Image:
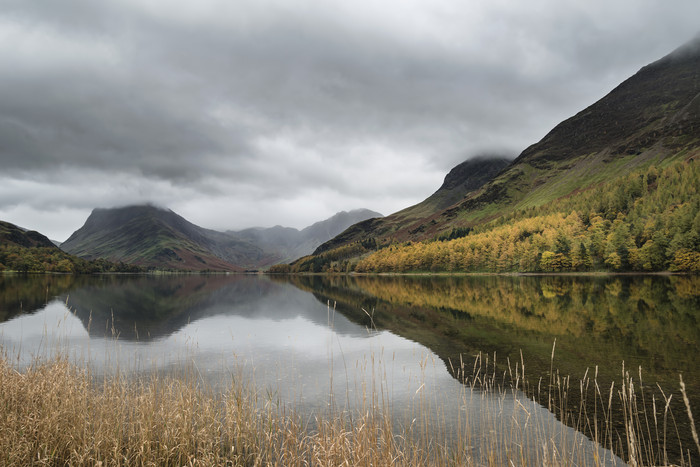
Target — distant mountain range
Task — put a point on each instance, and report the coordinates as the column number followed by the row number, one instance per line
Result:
column 287, row 244
column 617, row 146
column 150, row 236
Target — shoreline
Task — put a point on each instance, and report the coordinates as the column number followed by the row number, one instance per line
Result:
column 484, row 274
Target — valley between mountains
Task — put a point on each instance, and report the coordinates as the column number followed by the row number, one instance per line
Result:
column 613, row 188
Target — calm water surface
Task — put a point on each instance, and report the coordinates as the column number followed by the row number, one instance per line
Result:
column 321, row 342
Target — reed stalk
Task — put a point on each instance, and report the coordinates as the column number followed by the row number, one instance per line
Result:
column 55, row 412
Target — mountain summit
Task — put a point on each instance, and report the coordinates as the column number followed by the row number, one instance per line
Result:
column 150, row 236
column 462, row 180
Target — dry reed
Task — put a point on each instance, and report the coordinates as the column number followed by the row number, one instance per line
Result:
column 56, row 413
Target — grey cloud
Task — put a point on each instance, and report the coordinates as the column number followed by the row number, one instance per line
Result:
column 271, row 101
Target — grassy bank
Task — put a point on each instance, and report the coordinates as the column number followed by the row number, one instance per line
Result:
column 56, row 413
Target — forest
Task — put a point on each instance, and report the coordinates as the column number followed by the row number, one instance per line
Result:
column 648, row 220
column 48, row 259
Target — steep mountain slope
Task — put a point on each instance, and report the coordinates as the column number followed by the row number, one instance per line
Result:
column 651, row 116
column 651, row 119
column 468, row 176
column 462, row 180
column 151, row 236
column 29, row 251
column 155, row 237
column 286, row 244
column 329, row 228
column 10, row 234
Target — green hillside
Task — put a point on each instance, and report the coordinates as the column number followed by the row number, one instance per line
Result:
column 459, row 183
column 29, row 251
column 611, row 188
column 154, row 237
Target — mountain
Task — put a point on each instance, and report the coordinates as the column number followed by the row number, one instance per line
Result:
column 10, row 234
column 462, row 180
column 25, row 250
column 627, row 160
column 651, row 116
column 468, row 176
column 287, row 244
column 152, row 236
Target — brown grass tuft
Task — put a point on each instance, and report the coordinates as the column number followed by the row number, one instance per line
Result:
column 57, row 413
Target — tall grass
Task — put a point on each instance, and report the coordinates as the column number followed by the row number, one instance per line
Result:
column 628, row 418
column 55, row 412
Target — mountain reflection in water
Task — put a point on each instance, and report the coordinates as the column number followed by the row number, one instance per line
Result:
column 310, row 337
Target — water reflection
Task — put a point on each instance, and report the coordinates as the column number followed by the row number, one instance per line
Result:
column 600, row 325
column 651, row 321
column 20, row 294
column 403, row 335
column 151, row 307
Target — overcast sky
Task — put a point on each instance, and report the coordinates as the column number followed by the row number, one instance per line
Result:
column 239, row 113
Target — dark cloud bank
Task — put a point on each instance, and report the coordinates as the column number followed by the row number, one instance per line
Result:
column 259, row 113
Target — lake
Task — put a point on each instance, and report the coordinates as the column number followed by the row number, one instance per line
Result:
column 453, row 347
